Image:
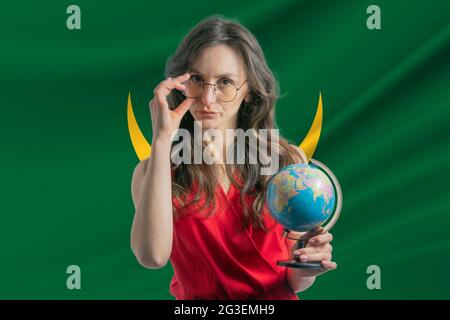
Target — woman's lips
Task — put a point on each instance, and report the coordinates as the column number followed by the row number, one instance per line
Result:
column 208, row 114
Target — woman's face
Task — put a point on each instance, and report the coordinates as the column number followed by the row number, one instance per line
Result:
column 222, row 65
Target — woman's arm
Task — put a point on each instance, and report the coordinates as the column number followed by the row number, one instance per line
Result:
column 295, row 276
column 152, row 229
column 151, row 233
column 319, row 249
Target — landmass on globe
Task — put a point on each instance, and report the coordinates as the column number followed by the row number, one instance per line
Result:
column 301, row 197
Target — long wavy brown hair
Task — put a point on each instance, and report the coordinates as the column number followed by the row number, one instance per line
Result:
column 258, row 113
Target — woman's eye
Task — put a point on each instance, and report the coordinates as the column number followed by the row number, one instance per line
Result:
column 225, row 82
column 197, row 79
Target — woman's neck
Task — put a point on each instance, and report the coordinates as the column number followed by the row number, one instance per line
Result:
column 214, row 144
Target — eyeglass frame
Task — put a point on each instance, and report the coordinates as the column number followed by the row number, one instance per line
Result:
column 215, row 88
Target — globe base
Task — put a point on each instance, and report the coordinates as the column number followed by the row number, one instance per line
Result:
column 294, row 263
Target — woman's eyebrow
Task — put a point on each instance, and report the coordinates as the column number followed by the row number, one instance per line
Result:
column 231, row 75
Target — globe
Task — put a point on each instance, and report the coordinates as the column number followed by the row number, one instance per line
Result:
column 301, row 196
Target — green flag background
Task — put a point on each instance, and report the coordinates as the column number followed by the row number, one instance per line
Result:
column 67, row 159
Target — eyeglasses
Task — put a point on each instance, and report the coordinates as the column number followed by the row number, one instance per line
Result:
column 224, row 89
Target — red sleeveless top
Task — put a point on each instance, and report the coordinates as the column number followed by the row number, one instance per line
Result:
column 214, row 258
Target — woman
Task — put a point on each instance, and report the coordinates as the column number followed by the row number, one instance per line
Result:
column 210, row 220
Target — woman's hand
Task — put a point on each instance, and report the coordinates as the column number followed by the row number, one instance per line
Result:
column 164, row 120
column 318, row 248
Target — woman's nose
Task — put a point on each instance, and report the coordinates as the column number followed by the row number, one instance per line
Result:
column 208, row 95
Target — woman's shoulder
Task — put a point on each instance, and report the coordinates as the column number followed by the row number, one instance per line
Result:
column 298, row 154
column 141, row 168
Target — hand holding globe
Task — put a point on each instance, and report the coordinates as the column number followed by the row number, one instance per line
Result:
column 318, row 249
column 302, row 197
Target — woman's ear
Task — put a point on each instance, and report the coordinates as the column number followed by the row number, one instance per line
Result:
column 248, row 98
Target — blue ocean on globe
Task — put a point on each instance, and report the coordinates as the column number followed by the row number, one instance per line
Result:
column 301, row 197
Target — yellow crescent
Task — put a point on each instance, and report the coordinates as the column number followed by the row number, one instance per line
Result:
column 143, row 148
column 140, row 144
column 311, row 140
